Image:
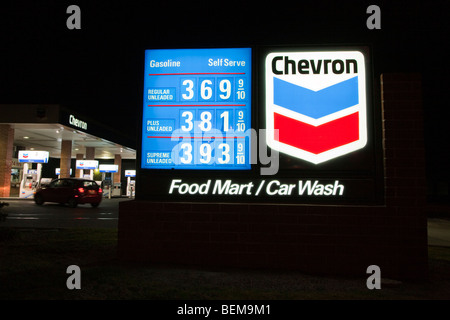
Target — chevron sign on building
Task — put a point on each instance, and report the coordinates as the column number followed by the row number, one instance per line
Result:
column 316, row 103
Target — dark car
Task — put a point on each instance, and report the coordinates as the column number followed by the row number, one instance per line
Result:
column 72, row 191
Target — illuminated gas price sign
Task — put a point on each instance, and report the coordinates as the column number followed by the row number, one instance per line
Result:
column 197, row 109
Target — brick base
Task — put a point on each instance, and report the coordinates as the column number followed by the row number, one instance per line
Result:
column 314, row 239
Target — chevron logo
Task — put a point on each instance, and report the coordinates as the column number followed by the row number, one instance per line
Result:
column 316, row 104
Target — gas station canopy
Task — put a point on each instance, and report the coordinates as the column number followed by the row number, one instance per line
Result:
column 49, row 136
column 44, row 127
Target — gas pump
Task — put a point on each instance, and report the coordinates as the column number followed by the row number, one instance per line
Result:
column 117, row 189
column 130, row 183
column 109, row 187
column 58, row 172
column 106, row 186
column 131, row 188
column 29, row 182
column 31, row 177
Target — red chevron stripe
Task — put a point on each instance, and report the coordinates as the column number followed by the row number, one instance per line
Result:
column 318, row 139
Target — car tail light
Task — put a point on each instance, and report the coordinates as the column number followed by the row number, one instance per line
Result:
column 81, row 190
column 100, row 190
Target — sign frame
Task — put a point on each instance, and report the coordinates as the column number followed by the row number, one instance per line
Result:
column 364, row 185
column 294, row 107
column 216, row 69
column 36, row 156
column 86, row 164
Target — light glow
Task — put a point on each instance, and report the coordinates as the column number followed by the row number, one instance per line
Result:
column 317, row 101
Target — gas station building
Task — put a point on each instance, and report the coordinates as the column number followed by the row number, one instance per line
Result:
column 66, row 136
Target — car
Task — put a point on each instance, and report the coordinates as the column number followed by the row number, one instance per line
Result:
column 72, row 191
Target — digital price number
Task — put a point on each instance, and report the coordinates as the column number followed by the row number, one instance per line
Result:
column 197, row 109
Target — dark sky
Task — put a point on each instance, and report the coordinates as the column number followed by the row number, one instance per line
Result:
column 98, row 70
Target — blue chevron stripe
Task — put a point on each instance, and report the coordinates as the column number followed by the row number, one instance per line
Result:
column 316, row 104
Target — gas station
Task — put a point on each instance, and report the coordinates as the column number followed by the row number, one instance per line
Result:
column 39, row 143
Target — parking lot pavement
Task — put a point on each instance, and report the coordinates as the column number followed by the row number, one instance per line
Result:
column 438, row 232
column 26, row 214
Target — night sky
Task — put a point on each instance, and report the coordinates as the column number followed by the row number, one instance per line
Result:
column 98, row 70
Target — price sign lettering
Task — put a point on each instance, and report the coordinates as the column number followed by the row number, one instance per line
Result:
column 197, row 109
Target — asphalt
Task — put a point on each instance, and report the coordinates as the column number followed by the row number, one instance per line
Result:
column 438, row 232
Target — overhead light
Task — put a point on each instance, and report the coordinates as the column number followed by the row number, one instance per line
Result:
column 26, row 137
